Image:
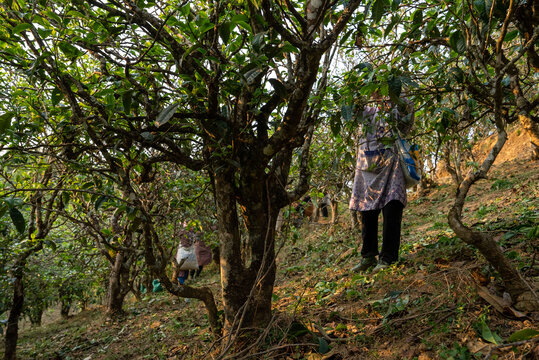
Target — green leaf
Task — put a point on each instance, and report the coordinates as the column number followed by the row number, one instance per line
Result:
column 364, row 66
column 238, row 18
column 53, row 16
column 87, row 185
column 51, row 244
column 69, row 50
column 185, row 10
column 241, row 20
column 417, row 17
column 345, row 37
column 347, row 112
column 110, row 100
column 66, row 196
column 205, row 27
column 480, row 7
column 289, row 48
column 279, row 87
column 11, row 202
column 457, row 42
column 224, row 32
column 5, row 121
column 323, row 346
column 335, row 125
column 21, row 27
column 488, row 335
column 394, row 85
column 44, row 33
column 127, row 100
column 100, row 200
column 432, row 29
column 389, row 27
column 3, row 209
column 297, row 329
column 166, row 114
column 17, row 219
column 457, row 74
column 146, row 135
column 104, row 92
column 258, row 40
column 252, row 74
column 378, row 9
column 367, row 8
column 510, row 35
column 524, row 334
column 76, row 14
column 56, row 96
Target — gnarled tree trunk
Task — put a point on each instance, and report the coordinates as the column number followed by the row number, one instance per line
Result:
column 36, row 315
column 334, row 211
column 515, row 285
column 12, row 330
column 119, row 285
column 247, row 287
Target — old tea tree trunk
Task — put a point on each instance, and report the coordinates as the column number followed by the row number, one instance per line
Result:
column 250, row 159
column 524, row 297
column 250, row 178
column 246, row 277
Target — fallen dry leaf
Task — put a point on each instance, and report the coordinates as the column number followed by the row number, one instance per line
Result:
column 155, row 324
column 313, row 356
column 424, row 356
column 344, row 255
column 503, row 306
column 476, row 346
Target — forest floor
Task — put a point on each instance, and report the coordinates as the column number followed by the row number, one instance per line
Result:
column 440, row 301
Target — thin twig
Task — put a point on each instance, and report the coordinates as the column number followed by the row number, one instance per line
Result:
column 397, row 320
column 516, row 343
column 326, row 336
column 416, row 335
column 530, row 287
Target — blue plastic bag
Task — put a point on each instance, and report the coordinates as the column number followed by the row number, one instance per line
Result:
column 156, row 286
column 409, row 155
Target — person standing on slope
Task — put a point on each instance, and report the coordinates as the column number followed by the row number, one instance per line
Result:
column 379, row 184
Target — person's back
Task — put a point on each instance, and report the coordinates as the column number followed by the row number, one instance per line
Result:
column 379, row 184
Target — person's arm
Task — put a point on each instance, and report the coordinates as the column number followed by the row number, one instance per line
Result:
column 406, row 118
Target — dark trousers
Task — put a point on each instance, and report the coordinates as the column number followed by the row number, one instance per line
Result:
column 391, row 238
column 195, row 273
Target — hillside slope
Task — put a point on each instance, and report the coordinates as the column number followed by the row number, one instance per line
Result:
column 438, row 302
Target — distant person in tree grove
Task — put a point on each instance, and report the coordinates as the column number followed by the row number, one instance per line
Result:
column 190, row 235
column 379, row 184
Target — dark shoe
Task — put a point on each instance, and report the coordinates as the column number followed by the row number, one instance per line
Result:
column 381, row 265
column 365, row 264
